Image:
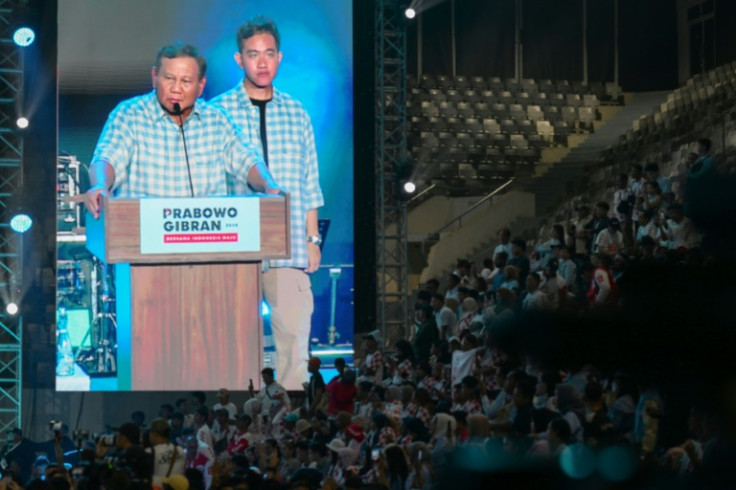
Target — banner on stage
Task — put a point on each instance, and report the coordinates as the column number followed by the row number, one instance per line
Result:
column 200, row 225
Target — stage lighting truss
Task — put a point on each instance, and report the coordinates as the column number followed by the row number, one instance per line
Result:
column 11, row 183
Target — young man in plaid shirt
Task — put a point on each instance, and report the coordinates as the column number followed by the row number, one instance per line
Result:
column 282, row 129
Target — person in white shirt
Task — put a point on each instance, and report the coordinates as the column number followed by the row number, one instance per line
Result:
column 534, row 299
column 272, row 398
column 679, row 231
column 204, row 434
column 647, row 227
column 168, row 458
column 445, row 318
column 567, row 269
column 611, row 240
column 453, row 287
column 223, row 401
column 504, row 236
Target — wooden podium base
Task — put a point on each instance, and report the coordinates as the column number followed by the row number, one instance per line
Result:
column 198, row 326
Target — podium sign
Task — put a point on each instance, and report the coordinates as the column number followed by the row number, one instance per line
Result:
column 200, row 225
column 189, row 311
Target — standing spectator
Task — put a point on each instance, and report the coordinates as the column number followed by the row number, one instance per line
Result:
column 602, row 292
column 704, row 164
column 567, row 270
column 223, row 401
column 453, row 287
column 597, row 224
column 341, row 394
column 519, row 258
column 504, row 246
column 577, row 229
column 636, row 191
column 427, row 333
column 444, row 317
column 168, row 458
column 316, row 397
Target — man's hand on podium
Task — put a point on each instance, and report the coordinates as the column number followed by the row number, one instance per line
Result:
column 274, row 189
column 93, row 201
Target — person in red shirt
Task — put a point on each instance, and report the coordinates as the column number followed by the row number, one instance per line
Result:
column 602, row 292
column 342, row 394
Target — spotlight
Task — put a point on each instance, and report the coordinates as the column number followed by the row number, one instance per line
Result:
column 409, row 187
column 410, row 13
column 22, row 122
column 11, row 308
column 21, row 223
column 24, row 36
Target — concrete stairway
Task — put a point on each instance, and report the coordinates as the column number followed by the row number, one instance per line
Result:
column 550, row 187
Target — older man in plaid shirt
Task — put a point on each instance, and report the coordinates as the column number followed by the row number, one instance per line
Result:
column 281, row 127
column 141, row 152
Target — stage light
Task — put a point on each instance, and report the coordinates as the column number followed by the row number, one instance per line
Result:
column 265, row 310
column 22, row 122
column 21, row 223
column 410, row 13
column 11, row 308
column 24, row 36
column 409, row 187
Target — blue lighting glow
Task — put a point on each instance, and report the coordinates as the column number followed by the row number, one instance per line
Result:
column 24, row 36
column 21, row 223
column 265, row 310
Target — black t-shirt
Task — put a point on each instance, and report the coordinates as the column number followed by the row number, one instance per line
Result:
column 261, row 104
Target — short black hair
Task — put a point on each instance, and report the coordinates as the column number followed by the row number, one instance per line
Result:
column 651, row 167
column 255, row 26
column 200, row 396
column 339, row 361
column 203, row 411
column 603, row 205
column 423, row 295
column 706, row 143
column 267, row 370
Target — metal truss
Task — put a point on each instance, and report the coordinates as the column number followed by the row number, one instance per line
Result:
column 391, row 155
column 11, row 244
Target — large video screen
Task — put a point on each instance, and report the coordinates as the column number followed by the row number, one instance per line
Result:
column 106, row 52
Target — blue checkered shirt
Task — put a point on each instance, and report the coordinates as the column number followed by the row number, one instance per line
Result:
column 292, row 158
column 144, row 146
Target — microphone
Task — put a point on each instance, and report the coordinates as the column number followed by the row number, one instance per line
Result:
column 179, row 112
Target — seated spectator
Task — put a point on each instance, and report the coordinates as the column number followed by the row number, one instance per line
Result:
column 443, row 440
column 556, row 239
column 567, row 270
column 679, row 231
column 578, row 230
column 647, row 227
column 597, row 224
column 558, row 439
column 610, row 241
column 512, row 274
column 498, row 276
column 651, row 173
column 534, row 298
column 623, row 200
column 470, row 314
column 382, row 432
column 623, row 408
column 652, row 198
column 420, row 476
column 401, row 367
column 571, row 408
column 597, row 427
column 372, row 367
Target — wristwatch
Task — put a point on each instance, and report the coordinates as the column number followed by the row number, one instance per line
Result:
column 316, row 239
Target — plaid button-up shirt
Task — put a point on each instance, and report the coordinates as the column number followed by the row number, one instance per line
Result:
column 292, row 158
column 145, row 148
